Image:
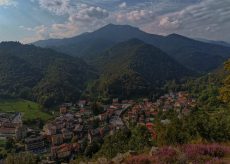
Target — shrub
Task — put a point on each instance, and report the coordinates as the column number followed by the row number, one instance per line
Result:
column 141, row 159
column 167, row 155
column 215, row 161
column 202, row 152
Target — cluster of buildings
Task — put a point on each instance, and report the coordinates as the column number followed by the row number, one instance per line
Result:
column 11, row 126
column 76, row 125
column 181, row 102
column 145, row 113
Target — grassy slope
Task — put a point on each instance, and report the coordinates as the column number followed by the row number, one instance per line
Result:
column 29, row 109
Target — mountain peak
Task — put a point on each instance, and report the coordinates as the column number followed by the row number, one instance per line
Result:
column 117, row 27
column 178, row 36
column 175, row 35
column 110, row 25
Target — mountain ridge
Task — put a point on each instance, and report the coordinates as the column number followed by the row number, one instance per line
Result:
column 186, row 51
column 43, row 75
column 134, row 68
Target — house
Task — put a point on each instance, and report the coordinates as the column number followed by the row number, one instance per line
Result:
column 62, row 151
column 68, row 104
column 50, row 129
column 103, row 116
column 146, row 100
column 115, row 101
column 78, row 130
column 11, row 117
column 82, row 103
column 57, row 139
column 35, row 144
column 67, row 135
column 125, row 101
column 63, row 109
column 12, row 130
column 10, row 124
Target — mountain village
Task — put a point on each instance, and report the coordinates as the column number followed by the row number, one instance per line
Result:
column 65, row 136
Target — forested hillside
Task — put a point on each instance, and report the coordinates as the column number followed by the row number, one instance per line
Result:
column 134, row 68
column 40, row 74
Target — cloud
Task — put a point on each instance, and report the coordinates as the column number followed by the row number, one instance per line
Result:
column 209, row 18
column 7, row 2
column 58, row 7
column 202, row 18
column 80, row 18
column 40, row 33
column 169, row 23
column 123, row 5
column 88, row 13
column 134, row 16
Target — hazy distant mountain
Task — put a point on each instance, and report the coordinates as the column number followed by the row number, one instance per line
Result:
column 193, row 54
column 222, row 43
column 134, row 68
column 41, row 74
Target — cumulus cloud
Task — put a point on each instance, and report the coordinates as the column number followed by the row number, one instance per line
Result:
column 7, row 2
column 123, row 5
column 40, row 33
column 134, row 16
column 169, row 23
column 58, row 7
column 87, row 13
column 81, row 17
column 203, row 19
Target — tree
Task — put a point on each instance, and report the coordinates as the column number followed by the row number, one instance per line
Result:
column 92, row 149
column 173, row 133
column 225, row 90
column 10, row 144
column 21, row 158
column 140, row 138
column 117, row 143
column 96, row 108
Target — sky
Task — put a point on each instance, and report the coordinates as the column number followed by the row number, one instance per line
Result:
column 31, row 20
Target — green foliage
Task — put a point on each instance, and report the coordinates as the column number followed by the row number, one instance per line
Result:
column 9, row 144
column 117, row 143
column 124, row 140
column 41, row 74
column 212, row 127
column 91, row 149
column 133, row 69
column 97, row 108
column 205, row 89
column 21, row 158
column 30, row 110
column 140, row 138
column 225, row 89
column 176, row 132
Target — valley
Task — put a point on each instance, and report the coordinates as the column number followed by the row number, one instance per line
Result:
column 115, row 94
